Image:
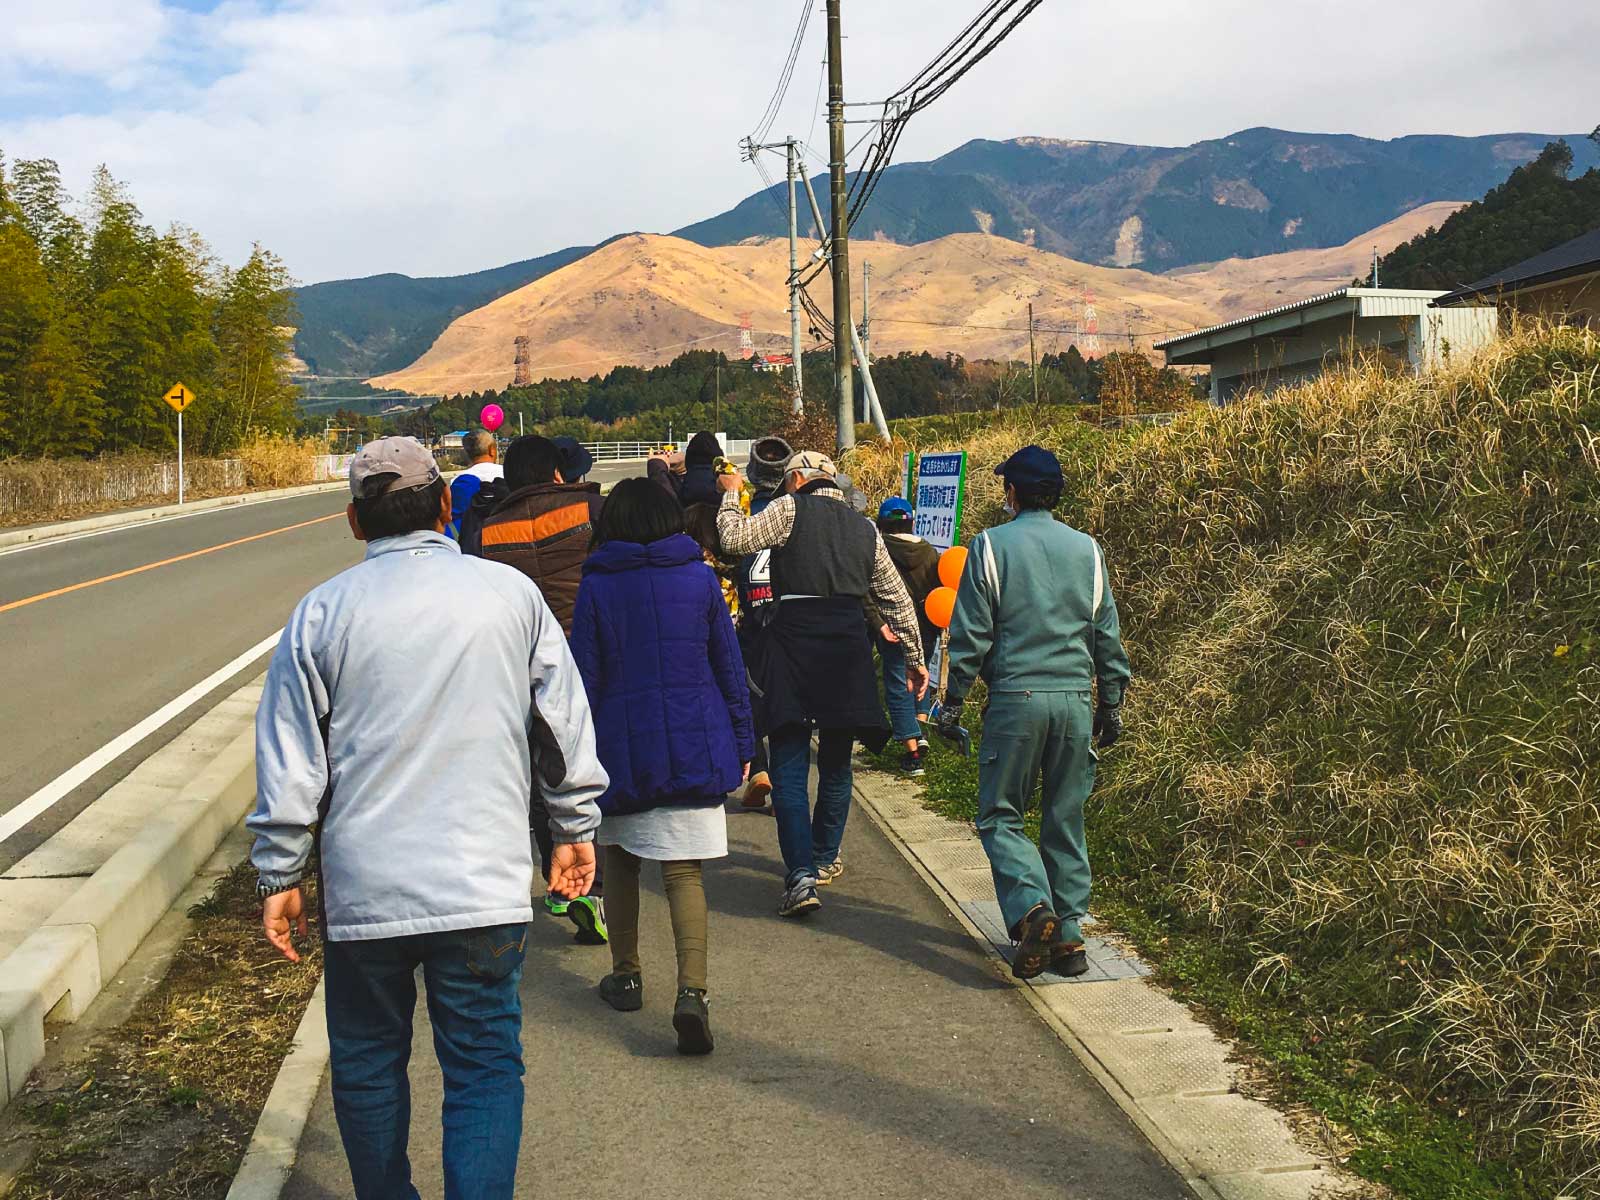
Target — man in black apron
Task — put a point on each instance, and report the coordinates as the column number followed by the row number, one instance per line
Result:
column 812, row 665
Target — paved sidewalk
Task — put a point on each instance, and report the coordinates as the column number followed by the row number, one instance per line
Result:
column 871, row 1051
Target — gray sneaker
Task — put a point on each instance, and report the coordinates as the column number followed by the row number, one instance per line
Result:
column 799, row 898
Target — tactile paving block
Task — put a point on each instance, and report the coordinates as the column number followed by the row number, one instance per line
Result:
column 951, row 854
column 1124, row 1006
column 972, row 883
column 1165, row 1064
column 1283, row 1185
column 925, row 827
column 1227, row 1134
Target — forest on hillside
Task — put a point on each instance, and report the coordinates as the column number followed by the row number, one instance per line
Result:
column 1538, row 208
column 100, row 315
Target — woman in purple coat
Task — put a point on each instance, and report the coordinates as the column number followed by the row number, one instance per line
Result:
column 661, row 663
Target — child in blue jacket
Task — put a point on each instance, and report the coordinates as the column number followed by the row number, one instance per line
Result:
column 666, row 682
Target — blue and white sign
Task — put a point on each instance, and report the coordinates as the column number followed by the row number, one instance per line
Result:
column 941, row 489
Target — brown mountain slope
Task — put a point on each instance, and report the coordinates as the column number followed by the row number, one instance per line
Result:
column 1246, row 285
column 643, row 299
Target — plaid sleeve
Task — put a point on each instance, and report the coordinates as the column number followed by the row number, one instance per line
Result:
column 768, row 529
column 894, row 603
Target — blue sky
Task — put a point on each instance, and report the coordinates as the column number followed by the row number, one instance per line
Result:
column 440, row 136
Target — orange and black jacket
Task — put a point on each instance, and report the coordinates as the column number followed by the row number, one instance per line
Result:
column 544, row 531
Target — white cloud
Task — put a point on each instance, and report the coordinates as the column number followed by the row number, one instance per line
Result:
column 98, row 38
column 433, row 136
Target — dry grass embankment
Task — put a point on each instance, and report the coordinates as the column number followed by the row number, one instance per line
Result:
column 36, row 491
column 164, row 1106
column 1356, row 809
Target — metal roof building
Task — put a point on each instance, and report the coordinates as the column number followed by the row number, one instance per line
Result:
column 1563, row 283
column 1297, row 341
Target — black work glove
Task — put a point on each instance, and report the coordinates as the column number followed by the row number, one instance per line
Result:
column 949, row 719
column 1107, row 724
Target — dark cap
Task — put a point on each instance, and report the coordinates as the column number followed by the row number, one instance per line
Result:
column 576, row 462
column 398, row 462
column 1031, row 465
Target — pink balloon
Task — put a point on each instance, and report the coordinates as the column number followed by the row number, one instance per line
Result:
column 492, row 417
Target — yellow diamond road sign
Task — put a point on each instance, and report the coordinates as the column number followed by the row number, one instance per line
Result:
column 179, row 397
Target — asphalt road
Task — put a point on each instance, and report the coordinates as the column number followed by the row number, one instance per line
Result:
column 89, row 652
column 868, row 1051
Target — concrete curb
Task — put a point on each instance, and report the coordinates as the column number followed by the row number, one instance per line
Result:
column 35, row 534
column 60, row 967
column 1202, row 1126
column 269, row 1160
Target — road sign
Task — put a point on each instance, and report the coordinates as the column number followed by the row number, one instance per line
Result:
column 179, row 397
column 941, row 490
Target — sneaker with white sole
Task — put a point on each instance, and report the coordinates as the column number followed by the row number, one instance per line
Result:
column 827, row 874
column 799, row 896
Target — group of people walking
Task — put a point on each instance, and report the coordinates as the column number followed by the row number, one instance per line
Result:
column 517, row 654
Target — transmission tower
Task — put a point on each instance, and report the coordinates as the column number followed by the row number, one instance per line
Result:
column 747, row 341
column 524, row 363
column 1091, row 325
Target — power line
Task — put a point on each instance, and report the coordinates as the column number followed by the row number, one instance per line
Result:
column 775, row 105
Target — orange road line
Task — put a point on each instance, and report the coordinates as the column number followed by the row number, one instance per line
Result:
column 165, row 562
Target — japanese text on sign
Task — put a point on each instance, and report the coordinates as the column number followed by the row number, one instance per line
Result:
column 941, row 482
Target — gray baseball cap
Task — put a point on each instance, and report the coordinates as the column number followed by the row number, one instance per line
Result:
column 407, row 459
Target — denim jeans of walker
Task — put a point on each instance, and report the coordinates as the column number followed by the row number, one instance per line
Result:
column 472, row 978
column 904, row 708
column 810, row 840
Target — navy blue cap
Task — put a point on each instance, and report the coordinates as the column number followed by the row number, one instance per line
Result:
column 575, row 460
column 894, row 506
column 1030, row 465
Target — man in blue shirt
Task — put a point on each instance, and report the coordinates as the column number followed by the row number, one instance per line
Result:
column 1035, row 618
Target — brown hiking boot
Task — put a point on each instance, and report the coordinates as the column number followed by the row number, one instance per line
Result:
column 1035, row 934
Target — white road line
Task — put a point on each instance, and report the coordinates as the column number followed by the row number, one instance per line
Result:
column 42, row 800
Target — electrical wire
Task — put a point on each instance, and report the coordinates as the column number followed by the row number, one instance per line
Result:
column 769, row 116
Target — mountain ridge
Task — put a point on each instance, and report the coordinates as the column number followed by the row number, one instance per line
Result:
column 646, row 297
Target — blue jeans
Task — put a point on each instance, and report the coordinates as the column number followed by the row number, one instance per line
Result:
column 472, row 977
column 810, row 841
column 904, row 709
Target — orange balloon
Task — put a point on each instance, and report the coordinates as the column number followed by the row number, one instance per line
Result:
column 951, row 563
column 940, row 606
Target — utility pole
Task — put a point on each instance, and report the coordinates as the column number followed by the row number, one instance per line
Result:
column 1374, row 266
column 719, row 394
column 843, row 326
column 866, row 329
column 1033, row 359
column 794, row 284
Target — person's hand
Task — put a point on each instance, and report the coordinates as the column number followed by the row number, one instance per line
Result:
column 917, row 681
column 1108, row 724
column 731, row 482
column 283, row 916
column 887, row 635
column 571, row 869
column 745, row 778
column 675, row 462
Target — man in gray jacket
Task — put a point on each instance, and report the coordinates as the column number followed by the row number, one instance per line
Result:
column 412, row 705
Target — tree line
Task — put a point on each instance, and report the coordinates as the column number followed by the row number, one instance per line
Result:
column 100, row 315
column 1536, row 209
column 645, row 403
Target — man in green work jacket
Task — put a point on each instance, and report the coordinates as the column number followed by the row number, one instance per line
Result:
column 1035, row 618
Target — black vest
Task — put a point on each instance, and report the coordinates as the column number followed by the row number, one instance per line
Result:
column 829, row 553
